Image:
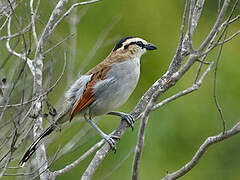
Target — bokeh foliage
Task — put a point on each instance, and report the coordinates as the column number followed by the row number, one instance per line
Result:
column 176, row 130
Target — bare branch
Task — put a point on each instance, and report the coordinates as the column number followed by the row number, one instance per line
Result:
column 190, row 29
column 229, row 38
column 200, row 152
column 211, row 44
column 162, row 85
column 181, row 49
column 33, row 14
column 21, row 56
column 45, row 93
column 168, row 80
column 194, row 87
column 140, row 141
column 76, row 162
column 19, row 33
column 215, row 89
column 196, row 15
column 177, row 69
column 216, row 26
column 150, row 107
column 72, row 7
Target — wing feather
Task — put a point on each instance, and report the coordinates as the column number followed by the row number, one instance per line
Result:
column 88, row 96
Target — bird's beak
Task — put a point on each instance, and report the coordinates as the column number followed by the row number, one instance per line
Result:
column 150, row 46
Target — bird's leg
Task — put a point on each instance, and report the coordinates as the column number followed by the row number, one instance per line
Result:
column 126, row 117
column 109, row 139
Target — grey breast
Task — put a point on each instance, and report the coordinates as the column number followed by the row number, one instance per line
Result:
column 119, row 84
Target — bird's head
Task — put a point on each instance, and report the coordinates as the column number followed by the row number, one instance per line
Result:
column 133, row 46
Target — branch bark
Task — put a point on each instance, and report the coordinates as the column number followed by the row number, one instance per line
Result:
column 38, row 79
column 176, row 70
column 202, row 149
column 169, row 79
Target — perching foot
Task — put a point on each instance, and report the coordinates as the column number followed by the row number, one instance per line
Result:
column 126, row 117
column 111, row 141
column 129, row 119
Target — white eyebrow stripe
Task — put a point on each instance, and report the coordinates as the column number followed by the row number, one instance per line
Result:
column 133, row 40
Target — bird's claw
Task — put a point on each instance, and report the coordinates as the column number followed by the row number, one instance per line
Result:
column 111, row 141
column 129, row 119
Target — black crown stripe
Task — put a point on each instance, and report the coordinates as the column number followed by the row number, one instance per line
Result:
column 120, row 43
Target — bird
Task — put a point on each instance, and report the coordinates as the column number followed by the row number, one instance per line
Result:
column 102, row 89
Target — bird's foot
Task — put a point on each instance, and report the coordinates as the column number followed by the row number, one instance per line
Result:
column 129, row 119
column 111, row 139
column 126, row 117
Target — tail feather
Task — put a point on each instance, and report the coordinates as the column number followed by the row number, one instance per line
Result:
column 32, row 148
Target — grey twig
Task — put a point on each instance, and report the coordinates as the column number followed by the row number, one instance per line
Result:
column 214, row 30
column 211, row 44
column 19, row 33
column 154, row 92
column 71, row 8
column 229, row 38
column 33, row 14
column 215, row 90
column 169, row 79
column 201, row 150
column 196, row 14
column 59, row 43
column 194, row 87
column 190, row 29
column 21, row 56
column 150, row 107
column 53, row 21
column 80, row 159
column 43, row 94
column 140, row 141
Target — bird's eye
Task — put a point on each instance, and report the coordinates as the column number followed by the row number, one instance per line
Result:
column 140, row 44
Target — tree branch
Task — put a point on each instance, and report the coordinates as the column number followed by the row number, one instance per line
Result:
column 200, row 152
column 21, row 56
column 194, row 87
column 33, row 14
column 168, row 80
column 80, row 159
column 215, row 27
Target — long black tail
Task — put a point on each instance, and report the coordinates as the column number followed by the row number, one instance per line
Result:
column 32, row 148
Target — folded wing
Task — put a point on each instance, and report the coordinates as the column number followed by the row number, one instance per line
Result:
column 88, row 96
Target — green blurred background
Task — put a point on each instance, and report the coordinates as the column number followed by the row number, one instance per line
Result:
column 175, row 131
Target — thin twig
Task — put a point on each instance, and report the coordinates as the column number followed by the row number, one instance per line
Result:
column 214, row 30
column 59, row 43
column 21, row 56
column 17, row 34
column 190, row 31
column 202, row 150
column 43, row 94
column 194, row 87
column 70, row 10
column 150, row 107
column 229, row 38
column 215, row 90
column 76, row 162
column 33, row 23
column 168, row 80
